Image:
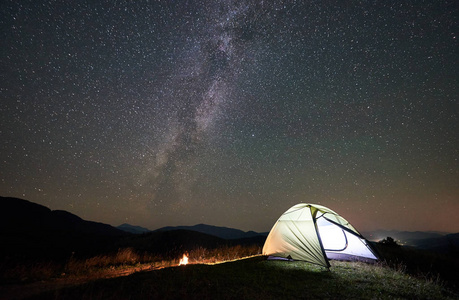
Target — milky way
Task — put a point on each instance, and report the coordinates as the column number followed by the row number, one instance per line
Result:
column 228, row 112
column 202, row 81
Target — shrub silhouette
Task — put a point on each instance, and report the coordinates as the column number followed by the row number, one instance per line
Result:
column 389, row 242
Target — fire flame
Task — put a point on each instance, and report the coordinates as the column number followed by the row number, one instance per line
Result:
column 183, row 260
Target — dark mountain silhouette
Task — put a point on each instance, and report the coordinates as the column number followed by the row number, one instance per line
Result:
column 29, row 230
column 446, row 243
column 432, row 241
column 22, row 216
column 133, row 229
column 221, row 232
column 408, row 238
column 173, row 243
column 32, row 230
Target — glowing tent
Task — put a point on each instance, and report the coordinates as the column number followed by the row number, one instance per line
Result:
column 315, row 234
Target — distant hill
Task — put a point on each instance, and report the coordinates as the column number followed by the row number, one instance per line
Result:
column 173, row 243
column 408, row 238
column 446, row 243
column 31, row 229
column 133, row 229
column 439, row 242
column 221, row 232
column 18, row 215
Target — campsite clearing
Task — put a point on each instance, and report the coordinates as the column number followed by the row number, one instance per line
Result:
column 258, row 278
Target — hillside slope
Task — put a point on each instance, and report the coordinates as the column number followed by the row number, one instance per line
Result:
column 221, row 232
column 32, row 230
column 258, row 278
column 133, row 229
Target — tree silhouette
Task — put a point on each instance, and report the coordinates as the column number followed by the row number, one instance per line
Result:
column 388, row 241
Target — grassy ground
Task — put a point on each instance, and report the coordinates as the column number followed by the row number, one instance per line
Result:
column 110, row 265
column 257, row 278
column 20, row 279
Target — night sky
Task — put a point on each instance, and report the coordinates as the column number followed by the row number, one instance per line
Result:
column 230, row 112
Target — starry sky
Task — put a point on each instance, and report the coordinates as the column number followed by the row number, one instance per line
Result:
column 228, row 113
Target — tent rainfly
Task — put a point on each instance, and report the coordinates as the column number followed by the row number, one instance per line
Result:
column 315, row 233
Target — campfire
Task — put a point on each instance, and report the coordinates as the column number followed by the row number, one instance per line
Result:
column 183, row 260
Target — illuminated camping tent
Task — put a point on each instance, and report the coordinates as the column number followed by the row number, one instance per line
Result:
column 315, row 234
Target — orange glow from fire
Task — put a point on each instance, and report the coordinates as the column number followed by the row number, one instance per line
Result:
column 183, row 260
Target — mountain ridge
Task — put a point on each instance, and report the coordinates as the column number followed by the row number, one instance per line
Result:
column 133, row 228
column 68, row 232
column 31, row 230
column 404, row 237
column 19, row 215
column 219, row 231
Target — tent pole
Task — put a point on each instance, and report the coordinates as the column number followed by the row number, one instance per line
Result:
column 314, row 214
